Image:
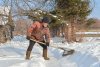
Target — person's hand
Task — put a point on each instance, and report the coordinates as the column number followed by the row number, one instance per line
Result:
column 28, row 37
column 47, row 43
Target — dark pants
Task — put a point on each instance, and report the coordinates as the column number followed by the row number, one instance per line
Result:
column 31, row 44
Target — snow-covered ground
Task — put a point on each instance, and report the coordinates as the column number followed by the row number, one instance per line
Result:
column 12, row 54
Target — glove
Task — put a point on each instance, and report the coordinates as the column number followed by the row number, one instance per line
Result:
column 47, row 43
column 28, row 37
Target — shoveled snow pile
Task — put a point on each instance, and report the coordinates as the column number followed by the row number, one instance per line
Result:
column 12, row 54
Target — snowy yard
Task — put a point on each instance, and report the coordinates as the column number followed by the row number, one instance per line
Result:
column 12, row 54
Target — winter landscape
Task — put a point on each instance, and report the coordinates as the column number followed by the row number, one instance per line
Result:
column 87, row 54
column 67, row 30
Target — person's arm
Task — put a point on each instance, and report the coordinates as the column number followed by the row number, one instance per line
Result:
column 30, row 29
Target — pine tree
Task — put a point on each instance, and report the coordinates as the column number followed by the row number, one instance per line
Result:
column 73, row 10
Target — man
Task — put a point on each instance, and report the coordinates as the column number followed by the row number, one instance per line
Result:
column 38, row 31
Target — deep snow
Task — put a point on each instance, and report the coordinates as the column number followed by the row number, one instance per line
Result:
column 12, row 54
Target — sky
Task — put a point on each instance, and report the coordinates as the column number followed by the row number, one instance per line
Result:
column 96, row 11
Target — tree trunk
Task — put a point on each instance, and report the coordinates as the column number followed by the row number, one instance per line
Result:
column 66, row 32
column 73, row 30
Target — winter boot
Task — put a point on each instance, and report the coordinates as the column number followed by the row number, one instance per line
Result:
column 28, row 55
column 45, row 54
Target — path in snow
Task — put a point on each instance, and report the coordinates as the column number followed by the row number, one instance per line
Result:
column 12, row 54
column 76, row 60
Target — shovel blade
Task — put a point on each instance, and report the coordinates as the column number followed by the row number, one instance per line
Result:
column 69, row 52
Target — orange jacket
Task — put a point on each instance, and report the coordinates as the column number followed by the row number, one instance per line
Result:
column 38, row 32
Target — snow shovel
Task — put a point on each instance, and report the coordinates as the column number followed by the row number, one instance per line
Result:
column 66, row 52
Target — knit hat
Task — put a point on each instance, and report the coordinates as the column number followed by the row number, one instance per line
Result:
column 45, row 20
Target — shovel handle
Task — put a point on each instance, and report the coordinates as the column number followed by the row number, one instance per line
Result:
column 44, row 43
column 51, row 45
column 38, row 42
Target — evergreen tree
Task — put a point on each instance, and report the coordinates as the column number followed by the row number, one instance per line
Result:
column 73, row 10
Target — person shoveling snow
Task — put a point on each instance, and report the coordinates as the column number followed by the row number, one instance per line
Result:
column 39, row 33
